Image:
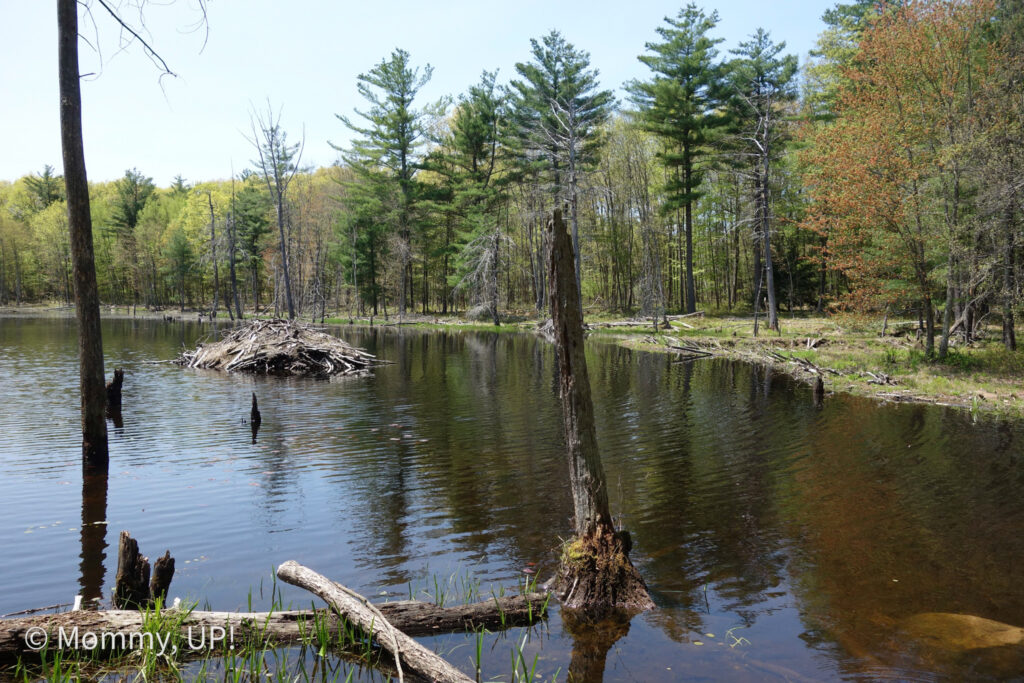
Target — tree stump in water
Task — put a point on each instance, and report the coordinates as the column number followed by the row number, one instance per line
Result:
column 818, row 392
column 595, row 573
column 114, row 390
column 132, row 587
column 255, row 419
column 254, row 414
column 163, row 572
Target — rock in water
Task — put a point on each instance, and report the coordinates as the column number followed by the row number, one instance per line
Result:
column 961, row 631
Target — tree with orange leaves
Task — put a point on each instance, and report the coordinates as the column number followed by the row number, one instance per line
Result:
column 888, row 178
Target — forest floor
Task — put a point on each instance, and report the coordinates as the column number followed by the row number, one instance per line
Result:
column 848, row 352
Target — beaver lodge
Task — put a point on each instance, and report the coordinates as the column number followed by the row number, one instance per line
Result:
column 280, row 347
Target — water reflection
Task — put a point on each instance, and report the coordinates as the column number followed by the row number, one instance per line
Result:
column 800, row 533
column 591, row 641
column 93, row 537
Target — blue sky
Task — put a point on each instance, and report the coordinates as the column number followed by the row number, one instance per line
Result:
column 305, row 55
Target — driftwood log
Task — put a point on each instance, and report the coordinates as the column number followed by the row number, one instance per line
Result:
column 358, row 610
column 412, row 617
column 280, row 347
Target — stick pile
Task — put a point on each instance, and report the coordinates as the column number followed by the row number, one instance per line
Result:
column 280, row 347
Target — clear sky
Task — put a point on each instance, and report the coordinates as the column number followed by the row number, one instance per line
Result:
column 305, row 56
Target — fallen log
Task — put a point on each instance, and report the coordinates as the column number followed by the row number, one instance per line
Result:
column 413, row 617
column 619, row 323
column 358, row 610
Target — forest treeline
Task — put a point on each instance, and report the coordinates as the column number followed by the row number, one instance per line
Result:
column 883, row 175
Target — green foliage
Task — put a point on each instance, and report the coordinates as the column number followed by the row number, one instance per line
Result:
column 558, row 92
column 133, row 191
column 385, row 157
column 680, row 104
column 46, row 188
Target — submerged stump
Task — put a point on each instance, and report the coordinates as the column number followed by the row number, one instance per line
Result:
column 280, row 347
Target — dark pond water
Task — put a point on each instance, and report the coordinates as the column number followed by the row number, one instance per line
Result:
column 780, row 541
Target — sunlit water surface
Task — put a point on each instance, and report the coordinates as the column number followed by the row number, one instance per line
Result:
column 781, row 541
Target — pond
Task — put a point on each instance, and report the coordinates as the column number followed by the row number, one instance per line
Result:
column 780, row 540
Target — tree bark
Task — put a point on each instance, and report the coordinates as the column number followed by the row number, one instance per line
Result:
column 87, row 300
column 691, row 293
column 596, row 573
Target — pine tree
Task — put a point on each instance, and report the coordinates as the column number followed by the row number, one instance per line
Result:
column 45, row 187
column 385, row 154
column 679, row 104
column 559, row 110
column 470, row 158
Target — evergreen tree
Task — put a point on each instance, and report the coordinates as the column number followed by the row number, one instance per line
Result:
column 133, row 191
column 559, row 110
column 252, row 221
column 385, row 155
column 470, row 159
column 679, row 104
column 179, row 187
column 46, row 188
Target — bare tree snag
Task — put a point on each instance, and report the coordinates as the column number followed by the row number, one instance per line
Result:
column 596, row 573
column 87, row 299
column 358, row 610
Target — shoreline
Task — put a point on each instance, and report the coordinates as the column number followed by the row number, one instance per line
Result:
column 848, row 353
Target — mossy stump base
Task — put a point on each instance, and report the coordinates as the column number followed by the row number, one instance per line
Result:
column 597, row 576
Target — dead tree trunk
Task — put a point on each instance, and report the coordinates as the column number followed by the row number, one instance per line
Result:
column 595, row 573
column 87, row 299
column 1009, row 268
column 163, row 572
column 232, row 226
column 213, row 258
